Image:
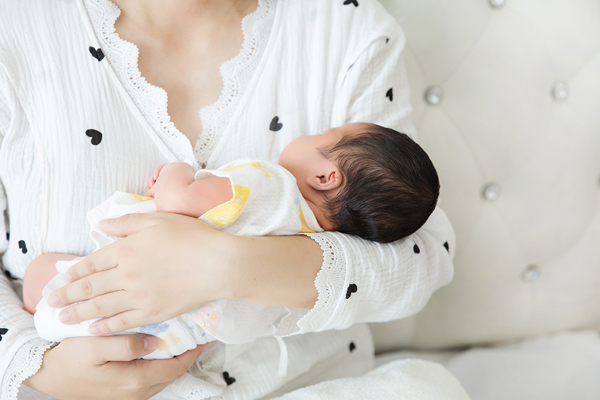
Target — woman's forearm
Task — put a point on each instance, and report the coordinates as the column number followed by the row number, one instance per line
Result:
column 275, row 270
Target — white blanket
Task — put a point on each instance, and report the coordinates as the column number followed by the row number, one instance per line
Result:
column 409, row 379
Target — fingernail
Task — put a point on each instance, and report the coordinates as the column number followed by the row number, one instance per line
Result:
column 63, row 317
column 106, row 222
column 53, row 300
column 68, row 278
column 150, row 343
column 93, row 329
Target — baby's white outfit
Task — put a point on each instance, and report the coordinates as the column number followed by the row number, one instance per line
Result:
column 266, row 201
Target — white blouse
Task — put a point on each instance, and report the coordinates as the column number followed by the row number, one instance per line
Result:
column 78, row 122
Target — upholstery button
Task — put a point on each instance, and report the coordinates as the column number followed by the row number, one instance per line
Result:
column 491, row 191
column 560, row 91
column 530, row 274
column 434, row 95
column 497, row 3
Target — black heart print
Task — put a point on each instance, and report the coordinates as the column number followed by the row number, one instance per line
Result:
column 447, row 247
column 95, row 135
column 416, row 249
column 23, row 246
column 228, row 379
column 390, row 94
column 2, row 332
column 352, row 347
column 355, row 2
column 275, row 124
column 98, row 54
column 351, row 289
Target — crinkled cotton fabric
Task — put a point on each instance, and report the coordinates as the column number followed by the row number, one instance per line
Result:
column 78, row 122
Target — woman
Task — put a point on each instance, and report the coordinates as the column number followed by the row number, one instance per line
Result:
column 82, row 116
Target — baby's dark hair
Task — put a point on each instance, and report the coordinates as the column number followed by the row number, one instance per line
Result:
column 390, row 185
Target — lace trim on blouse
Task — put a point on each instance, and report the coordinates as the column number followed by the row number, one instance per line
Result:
column 329, row 282
column 26, row 362
column 152, row 100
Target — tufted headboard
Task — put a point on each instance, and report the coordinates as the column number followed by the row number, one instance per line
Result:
column 506, row 97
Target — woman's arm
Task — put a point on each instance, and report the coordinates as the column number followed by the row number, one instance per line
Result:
column 203, row 265
column 107, row 368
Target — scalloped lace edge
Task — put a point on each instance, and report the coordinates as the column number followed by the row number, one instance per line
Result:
column 236, row 74
column 152, row 100
column 26, row 362
column 329, row 283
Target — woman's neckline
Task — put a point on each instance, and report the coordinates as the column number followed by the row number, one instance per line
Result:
column 152, row 100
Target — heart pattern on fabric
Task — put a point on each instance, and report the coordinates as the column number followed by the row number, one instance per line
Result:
column 23, row 246
column 352, row 347
column 416, row 249
column 390, row 94
column 275, row 124
column 95, row 135
column 98, row 54
column 2, row 332
column 351, row 289
column 355, row 2
column 228, row 379
column 447, row 247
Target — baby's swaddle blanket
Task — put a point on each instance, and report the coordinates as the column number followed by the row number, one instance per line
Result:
column 266, row 201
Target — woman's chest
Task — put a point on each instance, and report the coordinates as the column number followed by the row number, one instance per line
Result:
column 187, row 69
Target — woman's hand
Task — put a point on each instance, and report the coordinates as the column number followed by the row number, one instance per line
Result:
column 152, row 180
column 106, row 368
column 168, row 265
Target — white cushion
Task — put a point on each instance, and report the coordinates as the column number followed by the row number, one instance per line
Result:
column 499, row 122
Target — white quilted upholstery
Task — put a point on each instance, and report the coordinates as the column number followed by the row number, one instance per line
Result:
column 499, row 122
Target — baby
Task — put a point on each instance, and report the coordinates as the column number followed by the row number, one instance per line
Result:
column 360, row 179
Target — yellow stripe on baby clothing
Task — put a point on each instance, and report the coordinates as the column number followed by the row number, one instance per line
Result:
column 253, row 165
column 227, row 213
column 141, row 198
column 304, row 229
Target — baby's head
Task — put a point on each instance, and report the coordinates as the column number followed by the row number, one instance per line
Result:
column 364, row 180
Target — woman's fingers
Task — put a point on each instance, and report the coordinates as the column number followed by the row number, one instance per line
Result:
column 129, row 224
column 84, row 289
column 124, row 348
column 160, row 371
column 101, row 260
column 99, row 307
column 125, row 320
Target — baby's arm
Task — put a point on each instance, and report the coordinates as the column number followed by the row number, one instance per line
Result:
column 176, row 191
column 39, row 272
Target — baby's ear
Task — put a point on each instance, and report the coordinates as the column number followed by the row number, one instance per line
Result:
column 329, row 180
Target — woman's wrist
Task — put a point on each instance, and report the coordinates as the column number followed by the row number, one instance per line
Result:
column 38, row 381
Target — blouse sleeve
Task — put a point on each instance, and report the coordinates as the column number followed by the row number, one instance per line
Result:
column 21, row 349
column 362, row 281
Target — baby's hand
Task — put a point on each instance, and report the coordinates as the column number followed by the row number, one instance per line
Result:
column 152, row 181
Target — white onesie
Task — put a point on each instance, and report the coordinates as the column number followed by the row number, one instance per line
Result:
column 266, row 201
